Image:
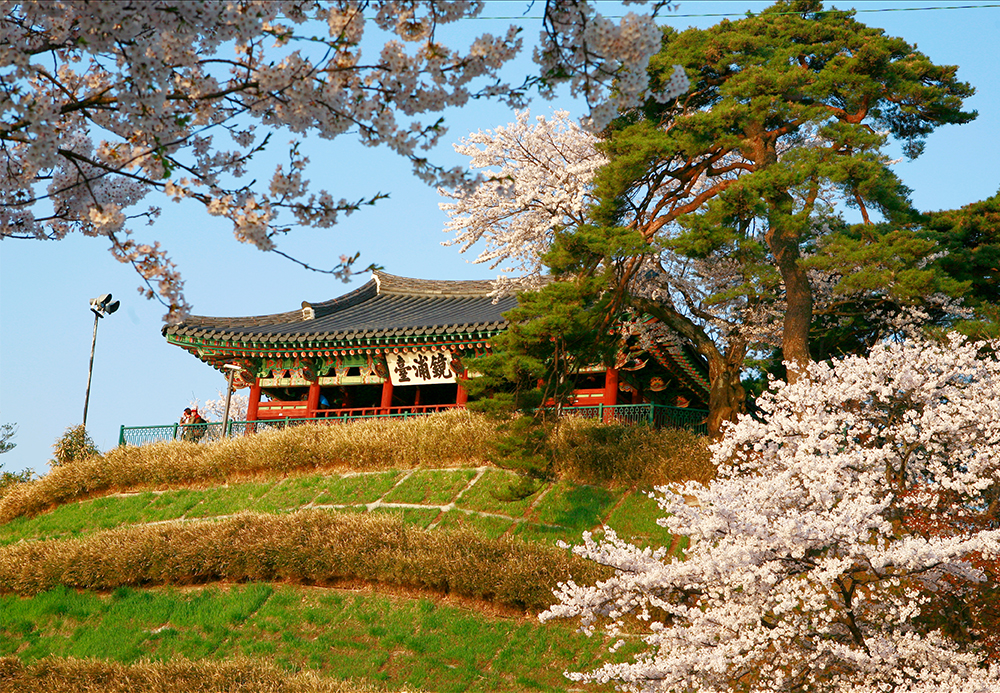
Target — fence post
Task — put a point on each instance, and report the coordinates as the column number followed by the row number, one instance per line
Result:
column 175, row 432
column 121, row 436
column 652, row 418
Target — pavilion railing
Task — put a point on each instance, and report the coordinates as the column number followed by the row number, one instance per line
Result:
column 645, row 414
column 656, row 415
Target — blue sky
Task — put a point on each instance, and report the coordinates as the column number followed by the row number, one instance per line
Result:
column 46, row 326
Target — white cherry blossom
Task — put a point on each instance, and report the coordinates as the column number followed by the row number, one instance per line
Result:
column 803, row 574
column 103, row 104
column 535, row 178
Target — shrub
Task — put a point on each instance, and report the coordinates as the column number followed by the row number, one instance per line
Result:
column 582, row 450
column 590, row 451
column 629, row 455
column 9, row 479
column 75, row 445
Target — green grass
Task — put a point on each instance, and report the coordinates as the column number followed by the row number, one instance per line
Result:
column 431, row 487
column 486, row 496
column 229, row 500
column 398, row 642
column 487, row 526
column 560, row 511
column 290, row 493
column 173, row 505
column 79, row 518
column 421, row 517
column 575, row 507
column 634, row 519
column 356, row 489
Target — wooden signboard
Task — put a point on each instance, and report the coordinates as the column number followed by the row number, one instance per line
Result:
column 420, row 368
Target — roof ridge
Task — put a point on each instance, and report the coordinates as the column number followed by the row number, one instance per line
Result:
column 393, row 284
column 382, row 286
column 363, row 293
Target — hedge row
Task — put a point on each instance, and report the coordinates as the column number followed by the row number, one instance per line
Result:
column 586, row 451
column 310, row 547
column 444, row 440
column 56, row 675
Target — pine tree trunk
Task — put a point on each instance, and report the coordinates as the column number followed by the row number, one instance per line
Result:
column 784, row 239
column 727, row 398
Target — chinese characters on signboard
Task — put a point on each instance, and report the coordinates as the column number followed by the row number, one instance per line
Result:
column 420, row 368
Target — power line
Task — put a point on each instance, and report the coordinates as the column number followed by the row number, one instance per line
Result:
column 743, row 14
column 858, row 10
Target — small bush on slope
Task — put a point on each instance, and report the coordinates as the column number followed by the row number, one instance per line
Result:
column 589, row 451
column 75, row 445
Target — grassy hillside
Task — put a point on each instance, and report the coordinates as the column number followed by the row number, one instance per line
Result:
column 309, row 560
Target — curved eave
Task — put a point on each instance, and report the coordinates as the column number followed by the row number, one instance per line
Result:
column 256, row 345
column 681, row 364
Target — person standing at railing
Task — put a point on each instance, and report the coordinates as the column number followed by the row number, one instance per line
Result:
column 194, row 425
column 324, row 405
column 185, row 421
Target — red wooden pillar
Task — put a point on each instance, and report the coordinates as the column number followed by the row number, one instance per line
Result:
column 254, row 402
column 312, row 404
column 386, row 395
column 610, row 392
column 252, row 406
column 462, row 396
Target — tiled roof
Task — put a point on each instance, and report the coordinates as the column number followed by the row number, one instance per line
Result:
column 387, row 306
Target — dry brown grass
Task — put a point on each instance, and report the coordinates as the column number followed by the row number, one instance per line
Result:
column 586, row 451
column 56, row 675
column 449, row 439
column 311, row 547
column 628, row 455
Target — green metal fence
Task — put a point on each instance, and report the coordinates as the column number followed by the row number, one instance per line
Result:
column 648, row 414
column 653, row 414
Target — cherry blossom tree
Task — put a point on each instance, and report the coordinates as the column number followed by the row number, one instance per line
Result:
column 105, row 105
column 806, row 571
column 535, row 178
column 215, row 409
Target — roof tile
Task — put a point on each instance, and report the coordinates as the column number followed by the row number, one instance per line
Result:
column 386, row 306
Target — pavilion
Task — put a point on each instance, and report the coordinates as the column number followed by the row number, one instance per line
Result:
column 400, row 345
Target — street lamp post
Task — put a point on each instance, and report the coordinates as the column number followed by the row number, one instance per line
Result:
column 233, row 370
column 100, row 306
